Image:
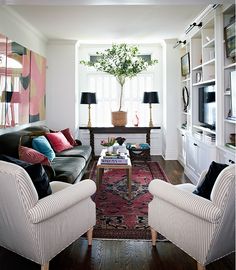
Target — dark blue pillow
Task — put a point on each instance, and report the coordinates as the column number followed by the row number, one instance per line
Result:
column 36, row 173
column 205, row 188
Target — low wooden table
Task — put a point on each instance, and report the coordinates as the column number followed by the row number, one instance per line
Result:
column 101, row 167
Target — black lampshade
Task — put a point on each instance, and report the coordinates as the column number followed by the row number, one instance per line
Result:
column 88, row 98
column 150, row 97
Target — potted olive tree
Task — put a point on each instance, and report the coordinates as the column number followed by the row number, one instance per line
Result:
column 122, row 61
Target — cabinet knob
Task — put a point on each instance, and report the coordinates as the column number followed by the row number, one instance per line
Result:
column 231, row 161
column 195, row 144
column 182, row 135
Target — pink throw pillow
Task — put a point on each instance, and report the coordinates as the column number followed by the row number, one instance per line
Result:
column 67, row 133
column 58, row 141
column 32, row 156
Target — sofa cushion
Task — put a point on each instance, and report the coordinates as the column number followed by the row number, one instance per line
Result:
column 205, row 188
column 36, row 173
column 67, row 133
column 77, row 151
column 42, row 145
column 58, row 141
column 32, row 156
column 68, row 169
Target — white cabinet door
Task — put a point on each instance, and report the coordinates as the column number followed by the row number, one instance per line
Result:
column 192, row 154
column 182, row 147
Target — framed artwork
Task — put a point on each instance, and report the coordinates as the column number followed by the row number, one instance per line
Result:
column 185, row 65
column 229, row 33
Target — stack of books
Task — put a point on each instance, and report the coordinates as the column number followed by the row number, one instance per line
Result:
column 118, row 159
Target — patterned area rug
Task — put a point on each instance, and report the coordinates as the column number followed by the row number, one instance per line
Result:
column 119, row 217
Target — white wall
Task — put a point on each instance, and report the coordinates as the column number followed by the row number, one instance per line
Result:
column 62, row 101
column 171, row 92
column 16, row 29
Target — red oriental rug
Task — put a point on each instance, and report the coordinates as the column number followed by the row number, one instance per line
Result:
column 119, row 217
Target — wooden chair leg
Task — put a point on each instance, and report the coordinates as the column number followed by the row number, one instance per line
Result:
column 90, row 236
column 154, row 236
column 200, row 267
column 45, row 266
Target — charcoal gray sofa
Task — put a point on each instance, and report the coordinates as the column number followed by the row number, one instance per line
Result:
column 68, row 166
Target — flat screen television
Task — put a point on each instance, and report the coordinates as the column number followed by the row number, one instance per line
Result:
column 207, row 106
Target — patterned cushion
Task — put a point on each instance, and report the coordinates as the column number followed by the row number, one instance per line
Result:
column 58, row 141
column 42, row 145
column 36, row 173
column 32, row 156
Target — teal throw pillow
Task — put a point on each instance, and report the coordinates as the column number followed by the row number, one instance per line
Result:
column 42, row 145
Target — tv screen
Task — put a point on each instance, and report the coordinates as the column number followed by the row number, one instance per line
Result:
column 207, row 106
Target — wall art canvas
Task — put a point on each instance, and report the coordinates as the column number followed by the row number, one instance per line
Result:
column 37, row 88
column 22, row 84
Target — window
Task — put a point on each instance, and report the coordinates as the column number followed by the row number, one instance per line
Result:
column 108, row 91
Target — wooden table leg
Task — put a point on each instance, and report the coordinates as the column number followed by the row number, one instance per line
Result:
column 99, row 177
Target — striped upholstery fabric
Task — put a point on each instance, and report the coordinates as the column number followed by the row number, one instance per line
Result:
column 40, row 229
column 204, row 229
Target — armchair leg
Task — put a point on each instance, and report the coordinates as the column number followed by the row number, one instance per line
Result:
column 45, row 266
column 200, row 267
column 90, row 236
column 154, row 236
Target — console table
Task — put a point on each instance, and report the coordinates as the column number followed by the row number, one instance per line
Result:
column 118, row 130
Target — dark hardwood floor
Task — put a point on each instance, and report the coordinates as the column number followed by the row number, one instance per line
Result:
column 121, row 254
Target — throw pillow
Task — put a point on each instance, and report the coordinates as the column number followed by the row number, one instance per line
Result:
column 204, row 190
column 58, row 141
column 42, row 145
column 36, row 173
column 67, row 133
column 32, row 156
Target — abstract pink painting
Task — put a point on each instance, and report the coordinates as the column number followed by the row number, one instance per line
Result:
column 37, row 87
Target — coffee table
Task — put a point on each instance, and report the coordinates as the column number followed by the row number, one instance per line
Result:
column 101, row 167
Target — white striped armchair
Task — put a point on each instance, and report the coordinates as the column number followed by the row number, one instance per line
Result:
column 40, row 229
column 204, row 229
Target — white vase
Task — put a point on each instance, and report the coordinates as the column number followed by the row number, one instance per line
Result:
column 109, row 149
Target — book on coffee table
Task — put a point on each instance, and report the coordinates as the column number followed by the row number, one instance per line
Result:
column 114, row 160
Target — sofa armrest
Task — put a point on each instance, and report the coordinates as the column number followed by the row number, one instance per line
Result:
column 185, row 200
column 61, row 200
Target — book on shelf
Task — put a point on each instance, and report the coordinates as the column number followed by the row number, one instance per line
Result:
column 114, row 161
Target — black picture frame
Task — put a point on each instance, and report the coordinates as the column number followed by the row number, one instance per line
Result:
column 185, row 64
column 229, row 35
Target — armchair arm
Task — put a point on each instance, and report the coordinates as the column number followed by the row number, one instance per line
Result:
column 61, row 200
column 185, row 200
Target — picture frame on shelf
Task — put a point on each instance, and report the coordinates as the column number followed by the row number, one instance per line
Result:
column 185, row 65
column 229, row 34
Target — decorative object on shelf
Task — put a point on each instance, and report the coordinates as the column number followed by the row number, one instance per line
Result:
column 229, row 33
column 184, row 125
column 185, row 95
column 136, row 119
column 122, row 61
column 88, row 98
column 150, row 97
column 232, row 137
column 198, row 77
column 233, row 94
column 185, row 64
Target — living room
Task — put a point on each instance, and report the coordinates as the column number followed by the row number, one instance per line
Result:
column 168, row 32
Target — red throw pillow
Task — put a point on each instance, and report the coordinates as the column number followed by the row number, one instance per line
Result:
column 67, row 133
column 58, row 141
column 30, row 155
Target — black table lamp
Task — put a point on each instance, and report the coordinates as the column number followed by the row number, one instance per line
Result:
column 88, row 98
column 150, row 97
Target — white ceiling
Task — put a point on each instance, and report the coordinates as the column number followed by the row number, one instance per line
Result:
column 107, row 21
